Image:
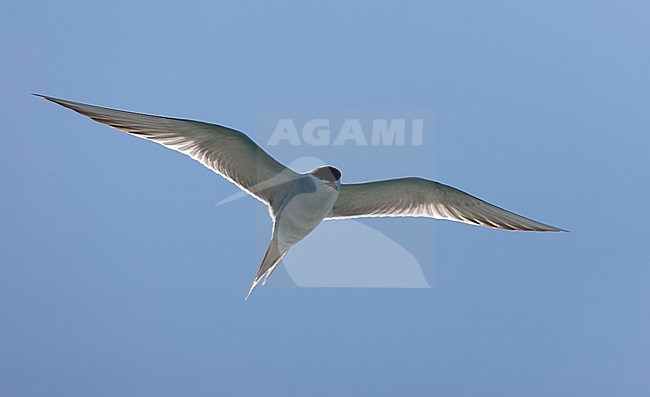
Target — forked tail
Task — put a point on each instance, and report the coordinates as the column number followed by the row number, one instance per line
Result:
column 271, row 259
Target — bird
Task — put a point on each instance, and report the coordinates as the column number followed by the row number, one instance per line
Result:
column 299, row 202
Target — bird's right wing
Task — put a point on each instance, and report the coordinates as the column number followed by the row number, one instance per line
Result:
column 417, row 197
column 227, row 152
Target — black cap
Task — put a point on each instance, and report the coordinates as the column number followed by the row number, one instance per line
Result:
column 327, row 173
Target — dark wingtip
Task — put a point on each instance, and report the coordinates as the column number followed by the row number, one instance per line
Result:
column 554, row 230
column 62, row 102
column 549, row 228
column 49, row 98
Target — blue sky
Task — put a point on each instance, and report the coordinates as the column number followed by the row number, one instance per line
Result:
column 120, row 276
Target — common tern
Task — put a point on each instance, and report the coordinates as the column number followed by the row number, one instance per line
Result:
column 297, row 202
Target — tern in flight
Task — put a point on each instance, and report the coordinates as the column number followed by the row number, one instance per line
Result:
column 300, row 202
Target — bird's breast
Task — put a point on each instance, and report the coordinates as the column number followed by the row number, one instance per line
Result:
column 302, row 212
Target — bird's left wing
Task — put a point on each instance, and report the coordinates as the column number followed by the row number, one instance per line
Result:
column 227, row 152
column 417, row 197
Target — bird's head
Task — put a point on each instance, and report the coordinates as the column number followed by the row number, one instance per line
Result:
column 329, row 175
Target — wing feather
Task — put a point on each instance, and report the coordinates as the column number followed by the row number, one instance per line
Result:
column 418, row 197
column 225, row 151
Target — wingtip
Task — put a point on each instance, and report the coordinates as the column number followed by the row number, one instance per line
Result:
column 49, row 98
column 556, row 229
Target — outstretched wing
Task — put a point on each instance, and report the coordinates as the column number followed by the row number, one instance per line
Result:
column 227, row 152
column 418, row 197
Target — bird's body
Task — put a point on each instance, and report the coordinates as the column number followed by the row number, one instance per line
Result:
column 304, row 208
column 298, row 203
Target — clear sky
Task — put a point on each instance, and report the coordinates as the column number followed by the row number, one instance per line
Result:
column 120, row 276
